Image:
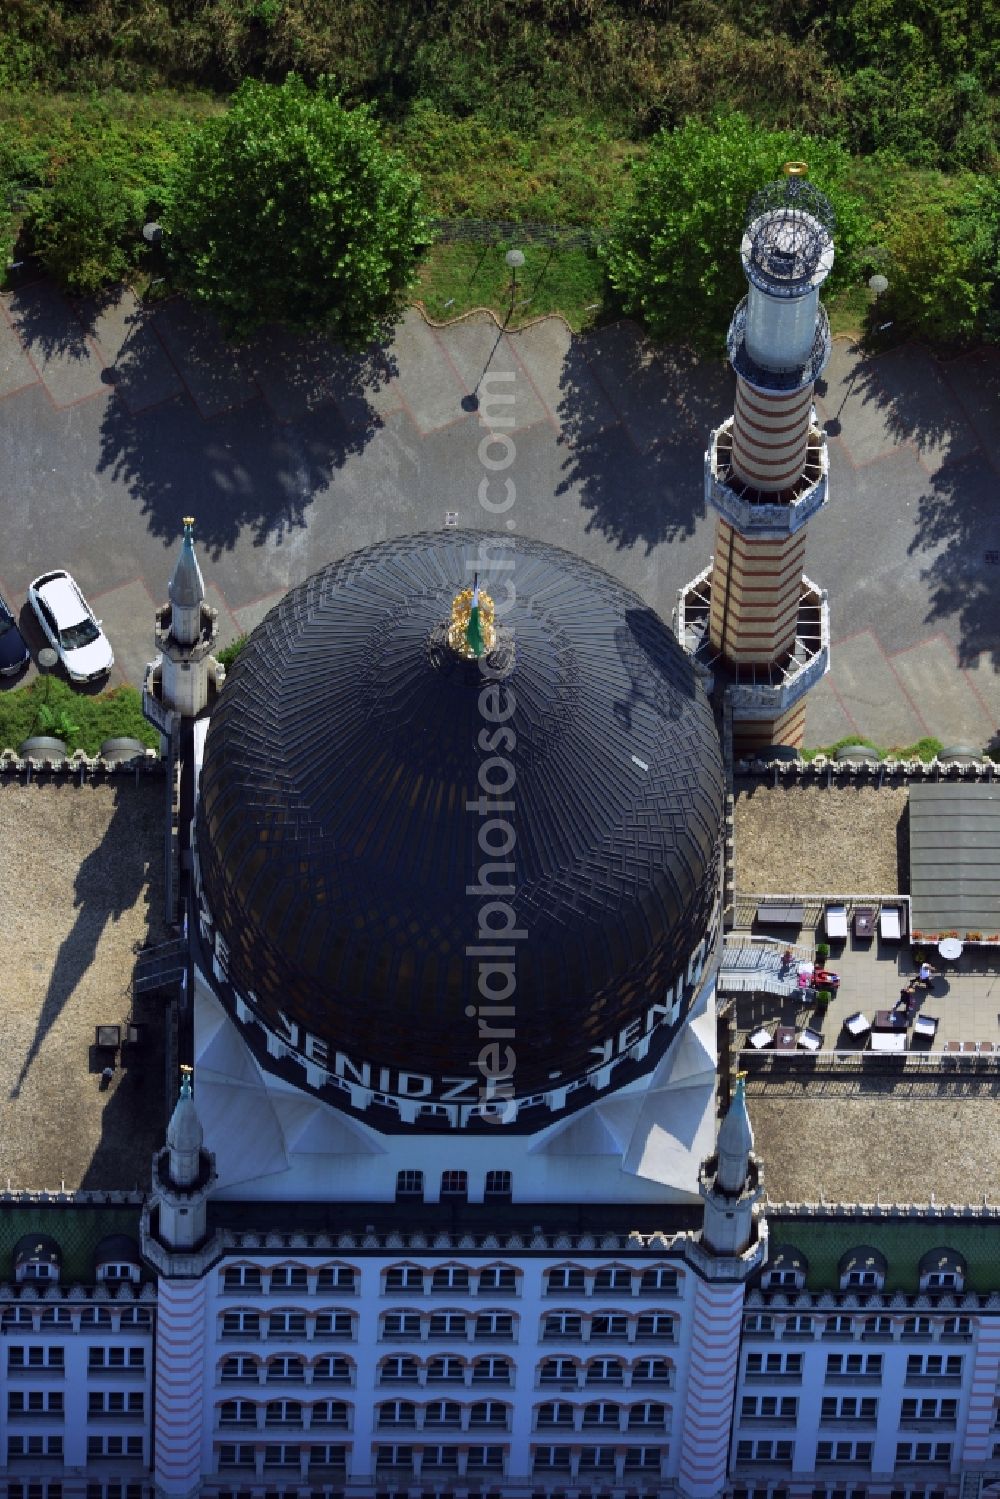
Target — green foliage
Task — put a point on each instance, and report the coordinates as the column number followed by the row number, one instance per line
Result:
column 924, row 749
column 229, row 652
column 458, row 278
column 672, row 255
column 942, row 260
column 288, row 207
column 84, row 228
column 49, row 705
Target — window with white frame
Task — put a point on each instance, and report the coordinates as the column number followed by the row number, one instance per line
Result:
column 554, row 1413
column 499, row 1186
column 562, row 1326
column 114, row 1446
column 334, row 1324
column 934, row 1409
column 236, row 1455
column 241, row 1323
column 400, row 1325
column 335, row 1414
column 758, row 1322
column 956, row 1327
column 289, row 1278
column 282, row 1455
column 776, row 1280
column 454, row 1186
column 844, row 1452
column 285, row 1368
column 399, row 1368
column 237, row 1413
column 653, row 1371
column 61, row 1316
column 776, row 1365
column 448, row 1325
column 658, row 1325
column 439, row 1457
column 242, row 1278
column 33, row 1356
column 486, row 1458
column 499, row 1325
column 800, row 1324
column 409, row 1186
column 854, row 1366
column 337, row 1278
column 764, row 1450
column 605, row 1371
column 849, row 1408
column 35, row 1403
column 283, row 1413
column 115, row 1403
column 644, row 1459
column 597, row 1460
column 550, row 1459
column 443, row 1413
column 445, row 1370
column 602, row 1413
column 659, row 1280
column 95, row 1316
column 18, row 1316
column 613, row 1278
column 564, row 1278
column 922, row 1452
column 404, row 1278
column 838, row 1327
column 286, row 1323
column 916, row 1327
column 239, row 1368
column 333, row 1369
column 450, row 1278
column 37, row 1446
column 121, row 1271
column 394, row 1455
column 942, row 1280
column 325, row 1455
column 558, row 1371
column 647, row 1415
column 136, row 1317
column 497, row 1280
column 934, row 1366
column 490, row 1413
column 769, row 1408
column 609, row 1325
column 861, row 1277
column 392, row 1413
column 492, row 1371
column 877, row 1327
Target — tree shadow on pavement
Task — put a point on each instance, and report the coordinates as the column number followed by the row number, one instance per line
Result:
column 958, row 523
column 301, row 409
column 634, row 423
column 907, row 388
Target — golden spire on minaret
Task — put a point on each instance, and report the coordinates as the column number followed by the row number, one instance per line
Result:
column 472, row 628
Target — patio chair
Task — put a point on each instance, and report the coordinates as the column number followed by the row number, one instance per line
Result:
column 857, row 1024
column 836, row 921
column 925, row 1025
column 890, row 923
column 760, row 1039
column 809, row 1039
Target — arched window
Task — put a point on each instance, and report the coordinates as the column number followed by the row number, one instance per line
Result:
column 601, row 1413
column 491, row 1413
column 605, row 1371
column 443, row 1413
column 396, row 1413
column 399, row 1368
column 564, row 1278
column 554, row 1414
column 491, row 1371
column 444, row 1370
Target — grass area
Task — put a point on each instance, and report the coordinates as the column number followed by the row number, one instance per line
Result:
column 923, row 749
column 456, row 278
column 82, row 721
column 229, row 652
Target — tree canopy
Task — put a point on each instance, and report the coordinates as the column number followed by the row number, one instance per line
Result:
column 288, row 208
column 673, row 252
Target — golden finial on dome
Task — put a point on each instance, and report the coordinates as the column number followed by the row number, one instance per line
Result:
column 796, row 169
column 471, row 629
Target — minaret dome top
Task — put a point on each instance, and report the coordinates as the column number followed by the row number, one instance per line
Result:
column 787, row 249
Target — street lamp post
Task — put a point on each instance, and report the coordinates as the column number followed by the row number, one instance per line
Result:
column 514, row 258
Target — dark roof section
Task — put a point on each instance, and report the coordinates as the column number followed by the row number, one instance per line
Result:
column 786, row 1257
column 36, row 1248
column 955, row 857
column 863, row 1257
column 941, row 1261
column 336, row 848
column 117, row 1249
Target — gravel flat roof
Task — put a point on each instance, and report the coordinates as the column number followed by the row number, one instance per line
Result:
column 81, row 868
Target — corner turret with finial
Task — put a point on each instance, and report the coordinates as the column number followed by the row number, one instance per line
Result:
column 175, row 1221
column 730, row 1181
column 185, row 676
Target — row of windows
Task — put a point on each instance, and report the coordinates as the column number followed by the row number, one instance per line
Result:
column 562, row 1326
column 282, row 1455
column 843, row 1325
column 99, row 1403
column 51, row 1447
column 330, row 1369
column 598, row 1459
column 845, row 1408
column 127, row 1318
column 52, row 1356
column 862, row 1279
column 860, row 1452
column 40, row 1489
column 860, row 1365
column 498, row 1186
column 611, row 1279
column 290, row 1322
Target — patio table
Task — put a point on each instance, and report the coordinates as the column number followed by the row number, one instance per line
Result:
column 890, row 1020
column 888, row 1041
column 784, row 1038
column 950, row 949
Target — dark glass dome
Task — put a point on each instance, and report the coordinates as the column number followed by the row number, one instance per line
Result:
column 339, row 859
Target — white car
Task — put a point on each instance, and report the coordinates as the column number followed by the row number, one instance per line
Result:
column 70, row 627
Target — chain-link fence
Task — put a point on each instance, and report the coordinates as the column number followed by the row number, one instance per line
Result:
column 524, row 232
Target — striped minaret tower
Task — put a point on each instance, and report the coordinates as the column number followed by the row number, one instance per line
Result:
column 766, row 469
column 732, row 1248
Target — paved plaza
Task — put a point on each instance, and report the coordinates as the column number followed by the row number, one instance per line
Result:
column 118, row 420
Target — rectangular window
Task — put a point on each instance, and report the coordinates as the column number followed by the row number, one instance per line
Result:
column 499, row 1186
column 337, row 1278
column 404, row 1278
column 455, row 1186
column 498, row 1279
column 289, row 1278
column 659, row 1281
column 409, row 1186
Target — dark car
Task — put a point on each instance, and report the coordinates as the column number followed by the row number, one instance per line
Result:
column 13, row 651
